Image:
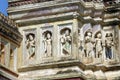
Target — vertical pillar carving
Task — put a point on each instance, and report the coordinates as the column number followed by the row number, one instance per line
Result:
column 39, row 52
column 7, row 55
column 56, row 42
column 116, row 42
column 75, row 35
column 15, row 59
column 103, row 43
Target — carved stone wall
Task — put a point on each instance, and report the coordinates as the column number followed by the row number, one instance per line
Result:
column 38, row 43
column 53, row 45
column 64, row 39
column 98, row 44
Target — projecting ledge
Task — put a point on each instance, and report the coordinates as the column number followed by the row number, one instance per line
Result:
column 59, row 64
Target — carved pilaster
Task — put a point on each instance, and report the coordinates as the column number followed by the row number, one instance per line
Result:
column 7, row 54
column 56, row 42
column 75, row 35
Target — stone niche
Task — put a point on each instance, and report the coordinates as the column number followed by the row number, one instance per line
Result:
column 65, row 40
column 47, row 43
column 29, row 46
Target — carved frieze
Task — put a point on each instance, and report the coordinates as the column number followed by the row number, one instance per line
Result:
column 95, row 43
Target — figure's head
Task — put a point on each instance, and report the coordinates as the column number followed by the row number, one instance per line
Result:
column 99, row 35
column 30, row 36
column 67, row 32
column 89, row 34
column 48, row 35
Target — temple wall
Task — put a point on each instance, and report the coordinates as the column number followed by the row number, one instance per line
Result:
column 67, row 40
column 51, row 63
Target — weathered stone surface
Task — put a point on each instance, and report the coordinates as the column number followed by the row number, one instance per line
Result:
column 62, row 40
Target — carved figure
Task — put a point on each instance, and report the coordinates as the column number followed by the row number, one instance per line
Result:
column 108, row 45
column 66, row 42
column 98, row 45
column 30, row 45
column 88, row 44
column 48, row 44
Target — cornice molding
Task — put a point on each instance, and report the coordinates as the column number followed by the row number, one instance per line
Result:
column 5, row 70
column 25, row 2
column 9, row 30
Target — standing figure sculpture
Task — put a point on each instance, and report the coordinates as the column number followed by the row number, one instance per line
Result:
column 108, row 45
column 48, row 45
column 66, row 43
column 98, row 45
column 30, row 45
column 88, row 44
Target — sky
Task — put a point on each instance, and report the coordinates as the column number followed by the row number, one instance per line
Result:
column 3, row 7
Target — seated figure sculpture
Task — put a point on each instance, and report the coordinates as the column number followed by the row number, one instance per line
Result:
column 30, row 45
column 66, row 43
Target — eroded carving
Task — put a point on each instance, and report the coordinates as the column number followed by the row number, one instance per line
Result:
column 65, row 41
column 109, row 45
column 98, row 45
column 47, row 41
column 30, row 45
column 88, row 44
